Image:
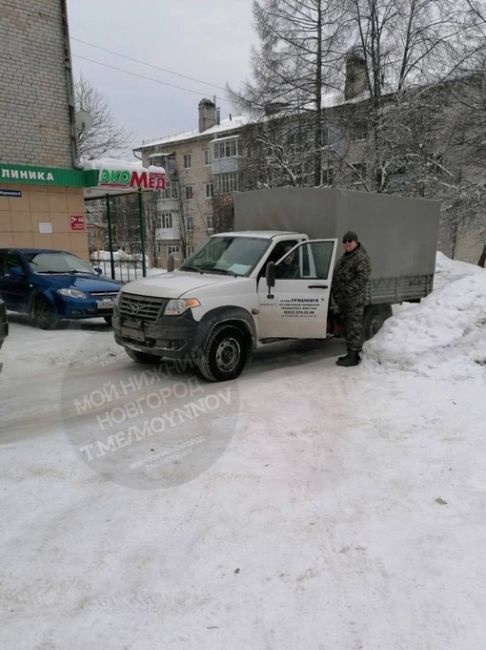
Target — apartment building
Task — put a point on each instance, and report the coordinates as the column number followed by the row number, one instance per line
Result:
column 202, row 168
column 206, row 165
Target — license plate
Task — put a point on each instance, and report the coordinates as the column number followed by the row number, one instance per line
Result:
column 106, row 303
column 132, row 333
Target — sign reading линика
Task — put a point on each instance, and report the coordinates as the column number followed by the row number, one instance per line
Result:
column 39, row 175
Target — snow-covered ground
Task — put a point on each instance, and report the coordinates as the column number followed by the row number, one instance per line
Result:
column 317, row 507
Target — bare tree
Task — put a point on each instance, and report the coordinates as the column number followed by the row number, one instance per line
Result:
column 103, row 135
column 293, row 65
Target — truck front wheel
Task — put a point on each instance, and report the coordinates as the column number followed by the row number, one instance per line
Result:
column 374, row 317
column 224, row 355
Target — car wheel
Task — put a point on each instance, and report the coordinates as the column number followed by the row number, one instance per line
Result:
column 142, row 357
column 225, row 354
column 374, row 317
column 44, row 315
column 108, row 319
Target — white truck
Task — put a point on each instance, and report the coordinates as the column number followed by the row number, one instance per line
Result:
column 244, row 289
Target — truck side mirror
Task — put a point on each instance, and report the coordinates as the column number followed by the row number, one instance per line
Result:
column 270, row 276
column 170, row 263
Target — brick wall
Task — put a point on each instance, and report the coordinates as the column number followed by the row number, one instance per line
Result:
column 34, row 92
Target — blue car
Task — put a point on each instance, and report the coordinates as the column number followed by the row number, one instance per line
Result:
column 53, row 286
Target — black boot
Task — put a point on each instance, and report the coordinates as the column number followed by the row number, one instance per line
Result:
column 351, row 359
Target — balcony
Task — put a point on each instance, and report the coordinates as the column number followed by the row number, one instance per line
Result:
column 226, row 155
column 164, row 234
column 226, row 165
column 167, row 205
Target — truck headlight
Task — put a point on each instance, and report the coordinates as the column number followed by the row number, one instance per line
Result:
column 178, row 306
column 70, row 292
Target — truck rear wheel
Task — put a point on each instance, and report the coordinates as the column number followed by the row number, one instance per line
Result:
column 225, row 354
column 374, row 317
column 142, row 357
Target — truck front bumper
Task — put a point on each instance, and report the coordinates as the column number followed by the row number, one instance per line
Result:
column 170, row 337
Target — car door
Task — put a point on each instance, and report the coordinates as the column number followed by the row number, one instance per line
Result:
column 296, row 307
column 14, row 281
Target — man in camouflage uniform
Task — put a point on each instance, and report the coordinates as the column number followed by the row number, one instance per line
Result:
column 350, row 278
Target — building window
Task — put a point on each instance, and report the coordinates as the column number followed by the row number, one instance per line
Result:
column 208, row 190
column 170, row 192
column 188, row 191
column 210, row 222
column 165, row 220
column 227, row 182
column 328, row 176
column 225, row 149
column 359, row 174
column 189, row 250
column 189, row 222
column 207, row 157
column 187, row 161
column 325, row 136
column 359, row 131
column 172, row 249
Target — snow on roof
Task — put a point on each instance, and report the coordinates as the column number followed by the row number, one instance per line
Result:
column 115, row 163
column 226, row 125
column 329, row 100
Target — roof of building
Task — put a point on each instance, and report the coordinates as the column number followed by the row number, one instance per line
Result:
column 226, row 125
column 329, row 100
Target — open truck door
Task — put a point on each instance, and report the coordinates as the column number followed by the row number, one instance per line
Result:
column 294, row 297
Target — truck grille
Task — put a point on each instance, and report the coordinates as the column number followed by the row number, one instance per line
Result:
column 147, row 308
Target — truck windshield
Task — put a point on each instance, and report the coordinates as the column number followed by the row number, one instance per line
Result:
column 229, row 255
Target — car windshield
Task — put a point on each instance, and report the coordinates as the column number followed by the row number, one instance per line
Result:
column 227, row 255
column 58, row 263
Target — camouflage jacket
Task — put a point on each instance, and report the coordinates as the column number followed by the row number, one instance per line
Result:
column 351, row 276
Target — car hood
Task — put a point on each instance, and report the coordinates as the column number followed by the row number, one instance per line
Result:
column 86, row 282
column 175, row 284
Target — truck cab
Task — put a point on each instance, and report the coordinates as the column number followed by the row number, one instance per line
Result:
column 239, row 291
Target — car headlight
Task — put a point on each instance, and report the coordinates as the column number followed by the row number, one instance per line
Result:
column 178, row 306
column 70, row 292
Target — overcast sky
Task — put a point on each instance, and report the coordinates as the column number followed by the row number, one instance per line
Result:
column 209, row 40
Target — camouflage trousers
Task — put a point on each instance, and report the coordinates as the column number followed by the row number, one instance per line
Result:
column 351, row 316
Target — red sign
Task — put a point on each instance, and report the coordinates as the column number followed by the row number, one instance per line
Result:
column 126, row 179
column 78, row 222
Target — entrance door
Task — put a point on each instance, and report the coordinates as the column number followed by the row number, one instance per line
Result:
column 296, row 307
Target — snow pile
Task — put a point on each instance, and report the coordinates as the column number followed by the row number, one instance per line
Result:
column 445, row 336
column 119, row 255
column 447, row 270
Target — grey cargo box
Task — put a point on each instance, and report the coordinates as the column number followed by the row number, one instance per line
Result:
column 400, row 234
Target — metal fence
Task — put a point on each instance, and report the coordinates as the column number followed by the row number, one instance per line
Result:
column 125, row 270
